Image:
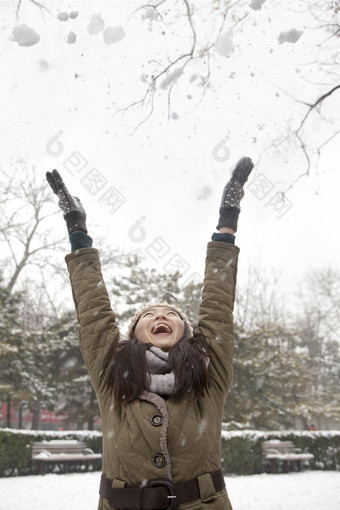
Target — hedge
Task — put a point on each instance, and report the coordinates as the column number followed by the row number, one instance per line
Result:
column 241, row 450
column 16, row 448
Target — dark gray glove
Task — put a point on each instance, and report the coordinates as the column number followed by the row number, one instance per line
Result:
column 233, row 193
column 74, row 213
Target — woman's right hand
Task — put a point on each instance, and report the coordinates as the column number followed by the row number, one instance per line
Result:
column 74, row 213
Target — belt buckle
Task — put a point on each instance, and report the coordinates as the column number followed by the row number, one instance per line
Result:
column 169, row 484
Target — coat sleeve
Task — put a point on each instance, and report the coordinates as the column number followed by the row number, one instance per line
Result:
column 216, row 310
column 97, row 326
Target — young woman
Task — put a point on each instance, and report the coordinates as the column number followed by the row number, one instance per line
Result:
column 162, row 391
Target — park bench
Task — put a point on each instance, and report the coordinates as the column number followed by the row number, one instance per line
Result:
column 283, row 456
column 64, row 456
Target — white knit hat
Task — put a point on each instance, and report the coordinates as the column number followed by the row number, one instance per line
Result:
column 137, row 316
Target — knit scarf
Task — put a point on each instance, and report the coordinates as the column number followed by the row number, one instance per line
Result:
column 162, row 379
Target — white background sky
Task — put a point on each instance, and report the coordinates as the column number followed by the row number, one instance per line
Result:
column 169, row 171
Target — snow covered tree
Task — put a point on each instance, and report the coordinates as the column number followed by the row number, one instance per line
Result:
column 74, row 395
column 319, row 325
column 286, row 365
column 27, row 362
column 270, row 377
column 138, row 286
column 9, row 317
column 10, row 330
column 33, row 369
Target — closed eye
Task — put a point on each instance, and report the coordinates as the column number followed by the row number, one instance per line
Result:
column 167, row 313
column 173, row 313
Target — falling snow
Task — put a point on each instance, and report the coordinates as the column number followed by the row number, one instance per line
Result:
column 25, row 36
column 202, row 426
column 171, row 77
column 204, row 193
column 113, row 34
column 256, row 5
column 71, row 38
column 149, row 14
column 291, row 36
column 224, row 44
column 96, row 24
column 63, row 16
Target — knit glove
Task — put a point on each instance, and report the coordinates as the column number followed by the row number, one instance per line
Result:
column 74, row 213
column 233, row 193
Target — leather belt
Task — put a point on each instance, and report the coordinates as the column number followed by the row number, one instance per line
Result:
column 160, row 493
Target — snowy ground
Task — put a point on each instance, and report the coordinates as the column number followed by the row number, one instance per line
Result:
column 310, row 490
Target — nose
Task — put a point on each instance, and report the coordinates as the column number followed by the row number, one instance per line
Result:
column 160, row 316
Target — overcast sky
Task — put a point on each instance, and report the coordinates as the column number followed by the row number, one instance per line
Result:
column 157, row 189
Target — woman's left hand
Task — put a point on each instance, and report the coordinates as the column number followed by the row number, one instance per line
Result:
column 232, row 195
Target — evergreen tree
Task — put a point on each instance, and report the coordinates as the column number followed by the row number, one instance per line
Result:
column 10, row 330
column 270, row 377
column 75, row 396
column 138, row 286
column 318, row 320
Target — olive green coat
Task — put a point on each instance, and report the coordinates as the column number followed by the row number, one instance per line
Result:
column 188, row 440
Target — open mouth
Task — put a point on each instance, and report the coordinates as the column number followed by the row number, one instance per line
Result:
column 161, row 328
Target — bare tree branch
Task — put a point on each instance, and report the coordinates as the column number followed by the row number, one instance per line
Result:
column 23, row 209
column 36, row 3
column 314, row 105
column 327, row 141
column 304, row 174
column 296, row 133
column 183, row 9
column 148, row 98
column 150, row 6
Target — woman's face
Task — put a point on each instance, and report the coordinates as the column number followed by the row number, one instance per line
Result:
column 160, row 326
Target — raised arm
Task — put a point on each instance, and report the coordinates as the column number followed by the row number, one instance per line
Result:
column 97, row 328
column 216, row 309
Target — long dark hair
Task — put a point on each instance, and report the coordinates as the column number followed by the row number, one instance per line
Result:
column 125, row 371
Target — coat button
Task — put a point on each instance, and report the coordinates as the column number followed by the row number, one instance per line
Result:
column 157, row 420
column 158, row 460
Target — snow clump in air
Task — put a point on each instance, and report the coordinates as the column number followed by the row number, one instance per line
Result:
column 70, row 363
column 113, row 34
column 71, row 38
column 176, row 73
column 256, row 4
column 202, row 427
column 96, row 24
column 203, row 193
column 44, row 65
column 291, row 36
column 25, row 36
column 62, row 16
column 149, row 13
column 74, row 14
column 224, row 44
